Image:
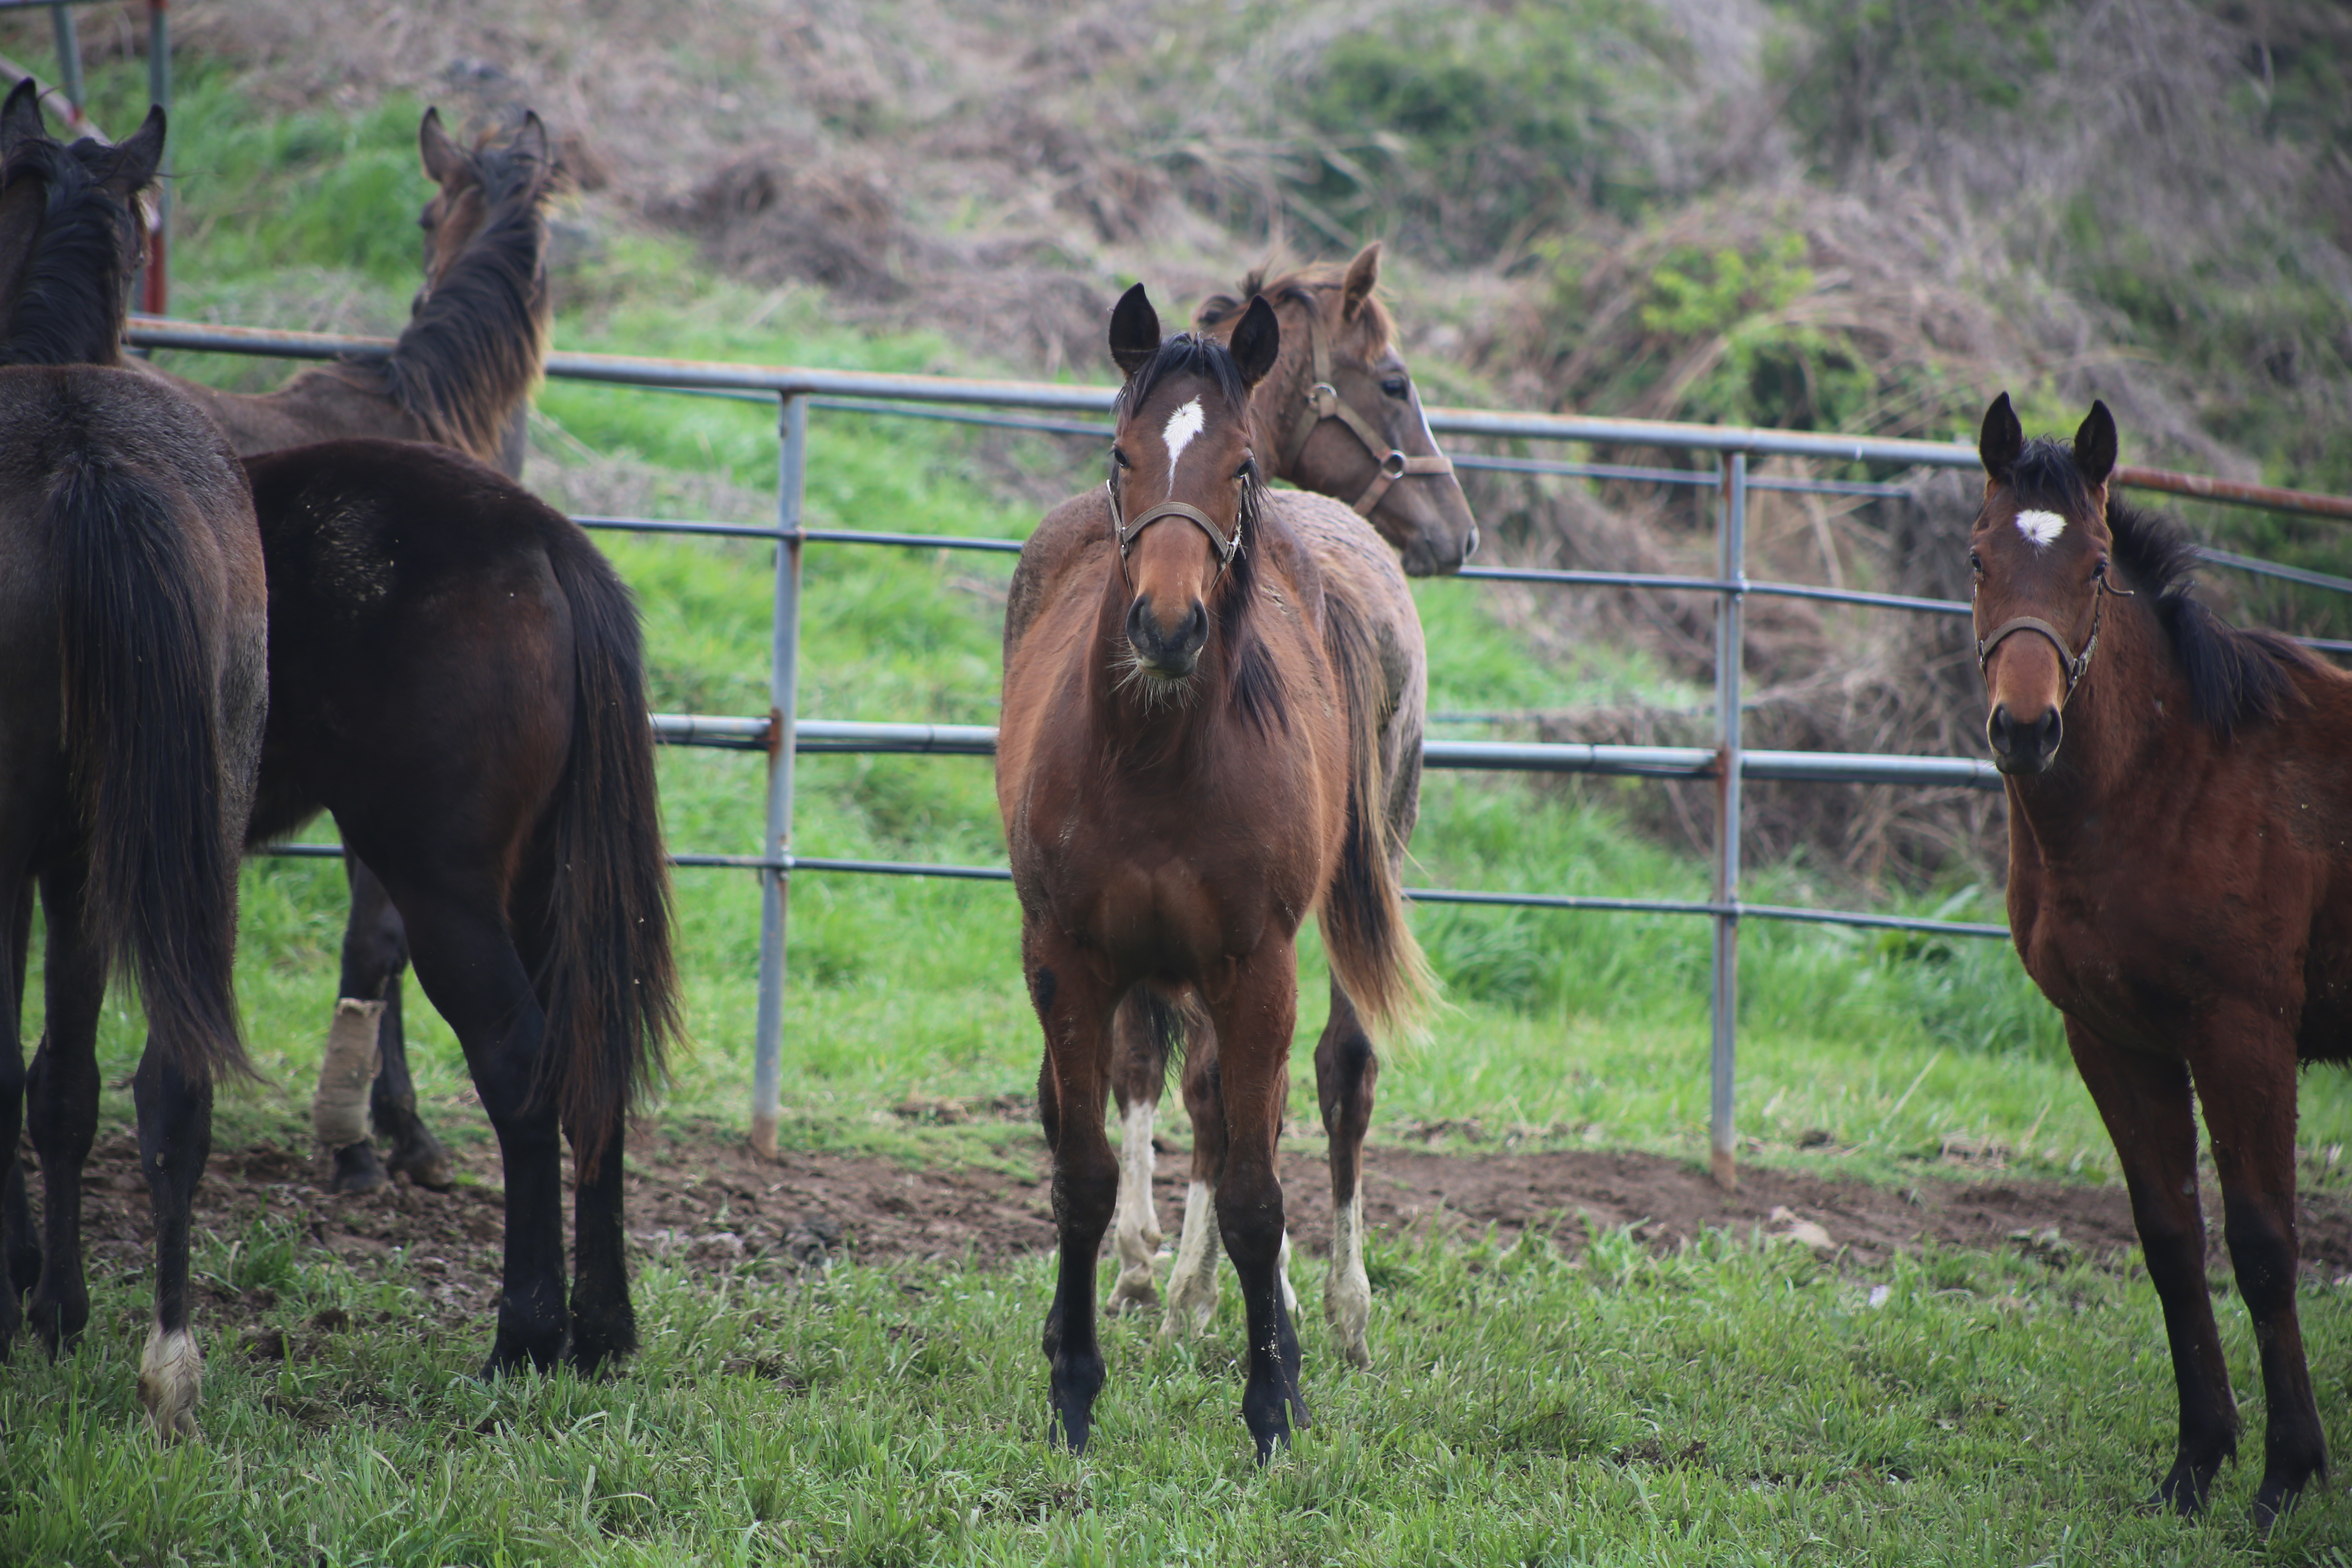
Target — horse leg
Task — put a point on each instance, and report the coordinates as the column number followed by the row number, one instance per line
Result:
column 175, row 1138
column 1345, row 1072
column 22, row 1255
column 604, row 1323
column 1192, row 1279
column 375, row 951
column 1254, row 1019
column 2145, row 1102
column 1139, row 1068
column 2246, row 1080
column 467, row 964
column 63, row 1090
column 1074, row 1007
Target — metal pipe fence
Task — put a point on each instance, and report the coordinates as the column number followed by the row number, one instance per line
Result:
column 1728, row 765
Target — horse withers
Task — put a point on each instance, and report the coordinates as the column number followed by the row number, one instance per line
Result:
column 1184, row 779
column 132, row 685
column 2180, row 886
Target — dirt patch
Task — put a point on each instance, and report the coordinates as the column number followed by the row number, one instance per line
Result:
column 710, row 1205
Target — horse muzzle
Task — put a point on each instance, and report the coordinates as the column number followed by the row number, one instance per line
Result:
column 1169, row 653
column 2023, row 748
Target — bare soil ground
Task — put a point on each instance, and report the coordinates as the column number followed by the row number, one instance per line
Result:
column 710, row 1205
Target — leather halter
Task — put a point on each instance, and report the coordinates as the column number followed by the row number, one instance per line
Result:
column 1125, row 533
column 1324, row 402
column 2073, row 663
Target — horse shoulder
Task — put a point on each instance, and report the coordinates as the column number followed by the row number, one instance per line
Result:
column 1047, row 557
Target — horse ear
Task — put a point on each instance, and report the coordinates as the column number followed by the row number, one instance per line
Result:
column 1363, row 276
column 443, row 157
column 2095, row 445
column 137, row 156
column 2001, row 440
column 1257, row 340
column 20, row 117
column 531, row 138
column 1134, row 331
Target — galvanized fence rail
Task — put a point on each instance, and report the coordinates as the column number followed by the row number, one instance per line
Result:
column 1728, row 765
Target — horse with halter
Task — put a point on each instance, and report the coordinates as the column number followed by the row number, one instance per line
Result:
column 1187, row 768
column 461, row 374
column 132, row 685
column 1339, row 411
column 457, row 675
column 2179, row 887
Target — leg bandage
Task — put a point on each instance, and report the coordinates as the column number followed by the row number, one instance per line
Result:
column 339, row 1112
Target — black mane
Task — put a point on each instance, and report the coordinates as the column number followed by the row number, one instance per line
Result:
column 76, row 289
column 472, row 349
column 2234, row 676
column 1252, row 686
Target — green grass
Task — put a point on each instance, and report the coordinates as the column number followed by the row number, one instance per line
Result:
column 1732, row 1402
column 1737, row 1402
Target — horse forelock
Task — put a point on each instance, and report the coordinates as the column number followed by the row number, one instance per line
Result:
column 70, row 308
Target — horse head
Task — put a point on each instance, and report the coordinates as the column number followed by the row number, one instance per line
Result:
column 1182, row 455
column 475, row 187
column 2038, row 555
column 72, row 234
column 1342, row 417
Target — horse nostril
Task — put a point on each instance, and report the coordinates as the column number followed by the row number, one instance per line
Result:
column 1141, row 631
column 1470, row 546
column 1196, row 627
column 2000, row 733
column 2047, row 734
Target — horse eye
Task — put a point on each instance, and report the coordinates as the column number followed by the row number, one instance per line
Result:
column 1396, row 386
column 2099, row 569
column 1241, row 475
column 1120, row 459
column 1976, row 562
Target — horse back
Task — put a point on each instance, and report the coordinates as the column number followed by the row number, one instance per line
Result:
column 323, row 404
column 415, row 610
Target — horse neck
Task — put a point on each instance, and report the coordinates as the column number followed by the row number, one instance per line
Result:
column 69, row 302
column 1281, row 397
column 2129, row 726
column 474, row 348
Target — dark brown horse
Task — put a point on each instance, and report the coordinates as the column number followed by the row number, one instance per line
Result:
column 2180, row 886
column 131, row 691
column 456, row 674
column 461, row 374
column 1339, row 411
column 1185, row 774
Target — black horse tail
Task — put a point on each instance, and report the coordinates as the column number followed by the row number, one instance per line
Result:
column 610, row 984
column 1372, row 951
column 146, row 757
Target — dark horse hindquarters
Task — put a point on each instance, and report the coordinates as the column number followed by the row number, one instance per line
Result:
column 2181, row 887
column 456, row 677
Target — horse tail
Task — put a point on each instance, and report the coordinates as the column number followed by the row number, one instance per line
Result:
column 610, row 980
column 1372, row 951
column 146, row 758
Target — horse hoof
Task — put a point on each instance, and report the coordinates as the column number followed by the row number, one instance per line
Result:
column 425, row 1163
column 1137, row 1293
column 358, row 1169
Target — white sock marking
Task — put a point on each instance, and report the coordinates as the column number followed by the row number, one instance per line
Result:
column 1347, row 1291
column 2040, row 527
column 1135, row 1227
column 1281, row 1276
column 171, row 1380
column 1177, row 434
column 1193, row 1283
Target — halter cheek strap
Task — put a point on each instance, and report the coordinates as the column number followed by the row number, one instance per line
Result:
column 2073, row 663
column 1324, row 402
column 1127, row 532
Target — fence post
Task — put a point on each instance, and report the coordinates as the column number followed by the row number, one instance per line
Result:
column 784, row 678
column 155, row 287
column 69, row 63
column 1731, row 566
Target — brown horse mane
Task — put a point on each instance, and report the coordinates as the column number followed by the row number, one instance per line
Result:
column 462, row 363
column 70, row 310
column 2234, row 676
column 1252, row 686
column 1314, row 287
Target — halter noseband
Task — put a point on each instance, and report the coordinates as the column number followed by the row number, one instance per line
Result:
column 1324, row 402
column 2073, row 663
column 1125, row 533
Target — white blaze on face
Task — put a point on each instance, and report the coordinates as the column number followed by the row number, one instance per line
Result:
column 1177, row 434
column 2040, row 527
